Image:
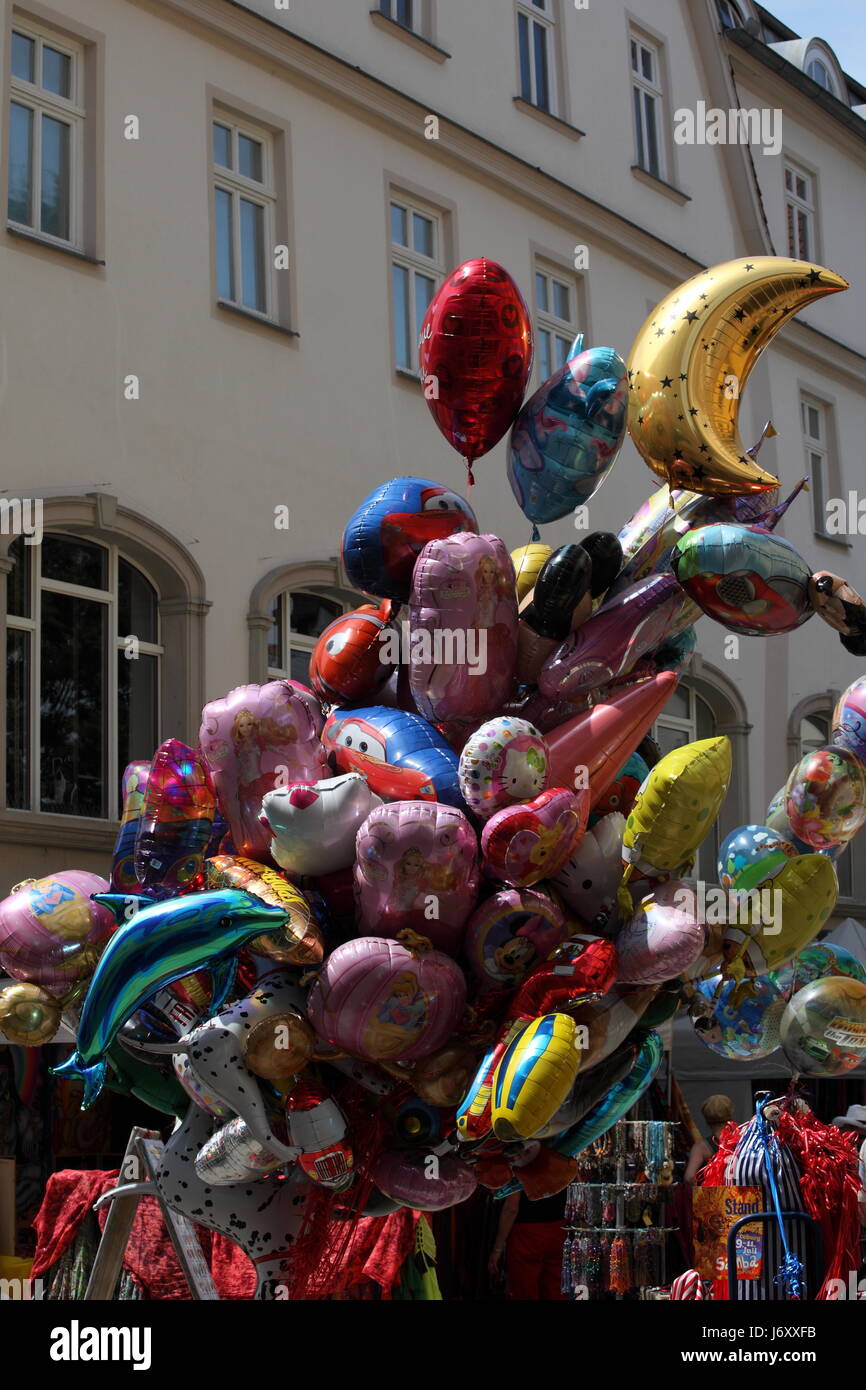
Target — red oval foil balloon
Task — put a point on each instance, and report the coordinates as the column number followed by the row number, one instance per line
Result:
column 475, row 356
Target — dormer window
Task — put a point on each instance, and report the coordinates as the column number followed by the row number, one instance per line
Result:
column 820, row 73
column 730, row 15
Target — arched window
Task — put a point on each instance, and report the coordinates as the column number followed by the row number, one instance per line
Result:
column 84, row 649
column 103, row 625
column 820, row 73
column 298, row 619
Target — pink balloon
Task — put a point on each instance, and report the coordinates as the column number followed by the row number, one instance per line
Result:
column 416, row 867
column 406, row 1178
column 662, row 939
column 378, row 1000
column 462, row 628
column 524, row 844
column 256, row 738
column 610, row 643
column 51, row 930
column 511, row 932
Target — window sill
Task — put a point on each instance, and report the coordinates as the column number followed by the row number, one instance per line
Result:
column 252, row 317
column 64, row 832
column 35, row 239
column 407, row 378
column 547, row 118
column 416, row 41
column 676, row 195
column 838, row 541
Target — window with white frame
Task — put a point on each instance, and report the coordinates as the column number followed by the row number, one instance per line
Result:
column 729, row 15
column 83, row 667
column 800, row 213
column 819, row 72
column 417, row 271
column 245, row 198
column 647, row 105
column 555, row 317
column 409, row 13
column 686, row 718
column 536, row 37
column 298, row 619
column 815, row 416
column 815, row 730
column 46, row 135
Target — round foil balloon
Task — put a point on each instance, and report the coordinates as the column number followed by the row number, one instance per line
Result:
column 752, row 854
column 133, row 786
column 849, row 720
column 462, row 629
column 737, row 1023
column 176, row 820
column 503, row 762
column 475, row 356
column 824, row 1027
column 744, row 577
column 777, row 819
column 381, row 1001
column 511, row 932
column 826, row 797
column 29, row 1016
column 387, row 533
column 567, row 437
column 663, row 938
column 348, row 661
column 526, row 843
column 820, row 959
column 51, row 931
column 256, row 738
column 416, row 867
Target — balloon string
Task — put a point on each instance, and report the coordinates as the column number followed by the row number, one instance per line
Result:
column 470, row 480
column 536, row 534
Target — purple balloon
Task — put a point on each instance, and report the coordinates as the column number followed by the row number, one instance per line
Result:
column 51, row 930
column 614, row 639
column 380, row 1001
column 406, row 1178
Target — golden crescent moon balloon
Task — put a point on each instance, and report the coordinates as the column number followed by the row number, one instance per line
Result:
column 691, row 360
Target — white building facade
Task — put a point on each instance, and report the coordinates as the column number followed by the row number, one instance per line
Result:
column 223, row 223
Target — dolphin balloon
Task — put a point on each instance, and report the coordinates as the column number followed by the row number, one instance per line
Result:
column 158, row 944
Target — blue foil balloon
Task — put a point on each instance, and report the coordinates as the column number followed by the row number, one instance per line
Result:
column 567, row 436
column 402, row 756
column 387, row 533
column 751, row 854
column 738, row 1022
column 156, row 944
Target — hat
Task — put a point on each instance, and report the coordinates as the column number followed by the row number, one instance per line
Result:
column 855, row 1118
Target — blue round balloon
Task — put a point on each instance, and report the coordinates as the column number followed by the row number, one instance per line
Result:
column 566, row 438
column 741, row 1022
column 750, row 855
column 387, row 533
column 816, row 962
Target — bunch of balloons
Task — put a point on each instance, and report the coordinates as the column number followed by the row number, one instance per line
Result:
column 410, row 930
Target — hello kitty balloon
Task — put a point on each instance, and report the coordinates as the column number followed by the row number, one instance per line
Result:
column 505, row 761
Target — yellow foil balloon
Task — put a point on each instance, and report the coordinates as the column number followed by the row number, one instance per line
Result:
column 528, row 562
column 783, row 919
column 534, row 1076
column 28, row 1016
column 691, row 360
column 676, row 806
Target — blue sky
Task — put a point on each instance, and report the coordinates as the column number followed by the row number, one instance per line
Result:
column 842, row 23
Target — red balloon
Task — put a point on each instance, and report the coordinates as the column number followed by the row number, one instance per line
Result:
column 476, row 356
column 346, row 663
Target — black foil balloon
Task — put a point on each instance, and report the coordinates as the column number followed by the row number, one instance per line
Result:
column 605, row 552
column 564, row 579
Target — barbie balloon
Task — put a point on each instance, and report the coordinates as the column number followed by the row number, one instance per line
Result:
column 663, row 938
column 744, row 577
column 51, row 931
column 380, row 1000
column 509, row 933
column 256, row 738
column 503, row 762
column 476, row 352
column 347, row 661
column 849, row 720
column 524, row 844
column 391, row 527
column 402, row 756
column 314, row 827
column 589, row 879
column 826, row 797
column 417, row 867
column 133, row 785
column 176, row 820
column 406, row 1178
column 590, row 748
column 462, row 629
column 610, row 643
column 567, row 436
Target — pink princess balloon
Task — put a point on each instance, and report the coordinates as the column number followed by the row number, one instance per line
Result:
column 381, row 1001
column 524, row 844
column 505, row 761
column 462, row 628
column 663, row 938
column 256, row 738
column 51, row 931
column 416, row 866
